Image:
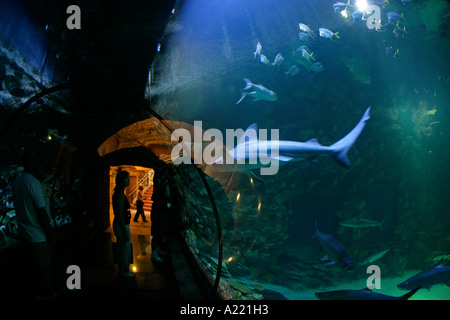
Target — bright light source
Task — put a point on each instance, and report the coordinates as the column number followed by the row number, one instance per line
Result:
column 238, row 196
column 134, row 268
column 362, row 5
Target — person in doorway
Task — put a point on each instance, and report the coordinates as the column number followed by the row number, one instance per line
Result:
column 140, row 205
column 34, row 227
column 159, row 217
column 121, row 224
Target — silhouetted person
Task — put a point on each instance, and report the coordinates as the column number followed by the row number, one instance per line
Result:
column 34, row 227
column 140, row 205
column 121, row 224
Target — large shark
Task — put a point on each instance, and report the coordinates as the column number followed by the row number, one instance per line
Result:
column 251, row 153
column 427, row 279
column 364, row 294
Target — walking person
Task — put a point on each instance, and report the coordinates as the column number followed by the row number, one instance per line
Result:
column 140, row 205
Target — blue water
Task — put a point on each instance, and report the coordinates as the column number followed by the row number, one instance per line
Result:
column 399, row 163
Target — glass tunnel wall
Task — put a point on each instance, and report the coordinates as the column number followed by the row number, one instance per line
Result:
column 332, row 65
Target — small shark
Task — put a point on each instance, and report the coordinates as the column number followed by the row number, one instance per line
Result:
column 361, row 223
column 334, row 250
column 258, row 153
column 259, row 92
column 364, row 294
column 374, row 257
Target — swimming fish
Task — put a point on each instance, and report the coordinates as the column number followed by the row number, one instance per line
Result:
column 373, row 257
column 325, row 33
column 398, row 31
column 361, row 223
column 391, row 53
column 357, row 15
column 427, row 279
column 303, row 27
column 334, row 250
column 258, row 49
column 394, row 17
column 316, row 67
column 303, row 36
column 264, row 60
column 259, row 92
column 278, row 60
column 299, row 50
column 306, row 55
column 294, row 70
column 364, row 294
column 339, row 6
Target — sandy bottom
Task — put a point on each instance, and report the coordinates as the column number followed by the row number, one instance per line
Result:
column 388, row 287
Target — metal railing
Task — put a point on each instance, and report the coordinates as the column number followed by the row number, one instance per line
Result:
column 145, row 181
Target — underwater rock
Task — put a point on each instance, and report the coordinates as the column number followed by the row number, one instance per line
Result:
column 273, row 295
column 239, row 286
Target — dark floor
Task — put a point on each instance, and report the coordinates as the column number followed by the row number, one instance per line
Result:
column 99, row 276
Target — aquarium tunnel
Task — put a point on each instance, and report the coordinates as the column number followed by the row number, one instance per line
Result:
column 304, row 143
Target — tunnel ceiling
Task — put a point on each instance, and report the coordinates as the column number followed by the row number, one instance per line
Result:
column 107, row 60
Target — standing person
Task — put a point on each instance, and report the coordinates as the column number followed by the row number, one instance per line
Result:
column 121, row 224
column 160, row 196
column 140, row 205
column 34, row 227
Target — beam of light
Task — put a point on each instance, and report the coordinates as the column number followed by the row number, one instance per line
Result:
column 362, row 5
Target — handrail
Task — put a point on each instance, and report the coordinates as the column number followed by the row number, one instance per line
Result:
column 140, row 182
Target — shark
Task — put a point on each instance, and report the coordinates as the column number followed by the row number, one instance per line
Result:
column 259, row 91
column 427, row 279
column 335, row 252
column 251, row 153
column 364, row 294
column 361, row 223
